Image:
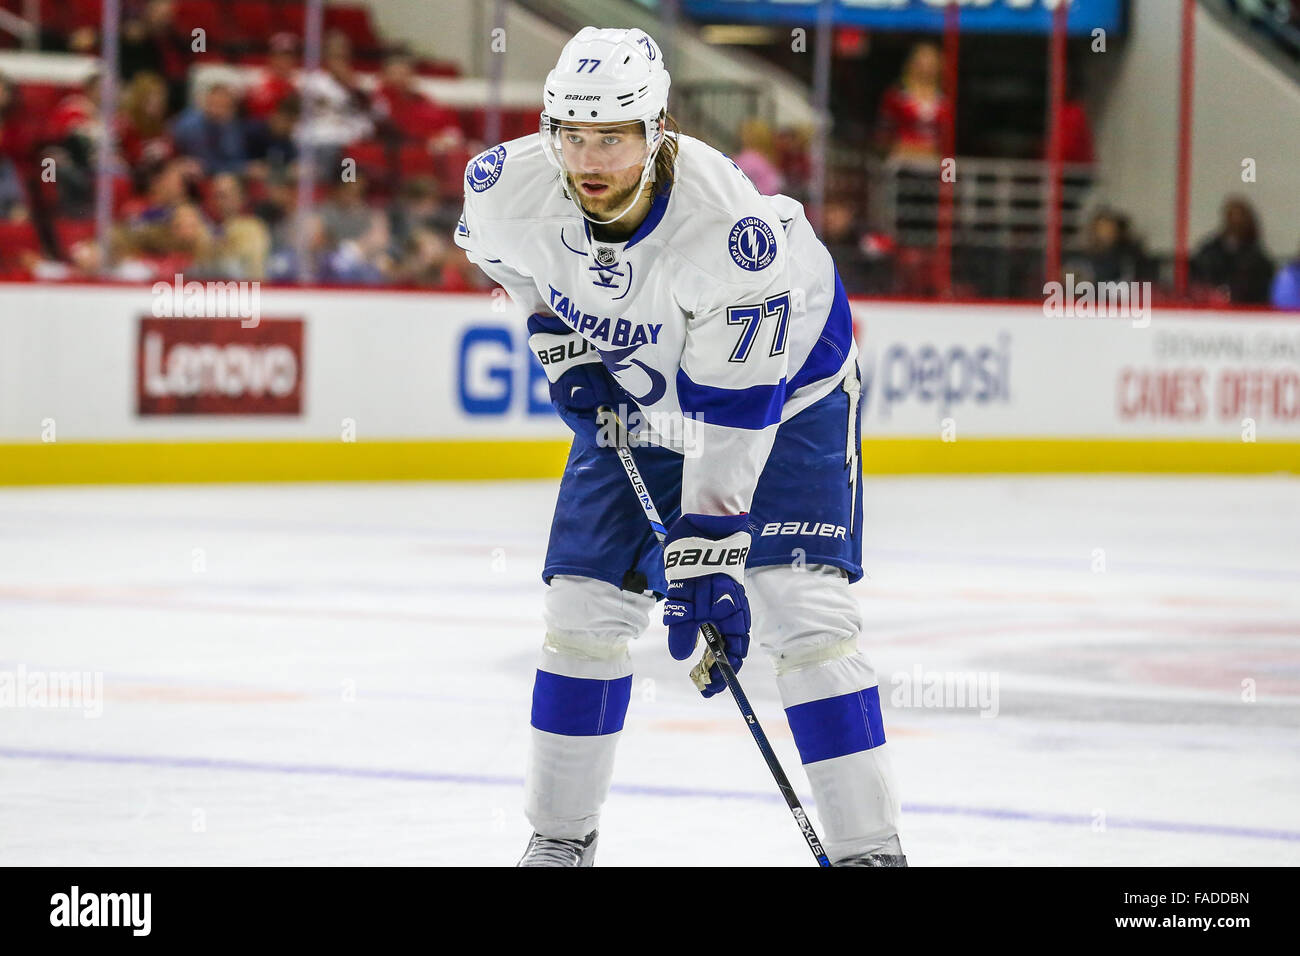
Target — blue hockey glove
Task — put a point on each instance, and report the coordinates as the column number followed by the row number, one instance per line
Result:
column 579, row 381
column 704, row 561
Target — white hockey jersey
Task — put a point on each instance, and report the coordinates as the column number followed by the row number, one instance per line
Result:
column 723, row 310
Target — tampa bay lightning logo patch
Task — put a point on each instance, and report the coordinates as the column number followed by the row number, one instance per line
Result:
column 752, row 244
column 485, row 169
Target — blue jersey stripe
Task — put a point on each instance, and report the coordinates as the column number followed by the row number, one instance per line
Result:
column 540, row 322
column 836, row 726
column 832, row 346
column 657, row 209
column 579, row 706
column 755, row 407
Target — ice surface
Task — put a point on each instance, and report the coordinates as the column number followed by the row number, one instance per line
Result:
column 318, row 674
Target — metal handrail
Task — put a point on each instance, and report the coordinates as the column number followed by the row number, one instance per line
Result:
column 997, row 203
column 25, row 30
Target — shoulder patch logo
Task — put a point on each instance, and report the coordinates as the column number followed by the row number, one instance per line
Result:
column 485, row 169
column 752, row 244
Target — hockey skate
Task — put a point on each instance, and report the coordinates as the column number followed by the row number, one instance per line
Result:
column 891, row 854
column 873, row 859
column 552, row 851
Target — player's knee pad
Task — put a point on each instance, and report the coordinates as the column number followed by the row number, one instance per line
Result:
column 592, row 621
column 803, row 616
column 583, row 685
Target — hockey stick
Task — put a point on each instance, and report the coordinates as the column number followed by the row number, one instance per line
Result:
column 606, row 417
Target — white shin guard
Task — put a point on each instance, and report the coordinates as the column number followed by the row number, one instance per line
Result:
column 579, row 700
column 808, row 621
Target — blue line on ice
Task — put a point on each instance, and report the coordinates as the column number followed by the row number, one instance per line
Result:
column 644, row 790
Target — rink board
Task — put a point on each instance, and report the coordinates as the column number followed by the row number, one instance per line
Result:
column 99, row 384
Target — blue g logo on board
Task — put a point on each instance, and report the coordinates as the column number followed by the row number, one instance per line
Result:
column 752, row 244
column 485, row 169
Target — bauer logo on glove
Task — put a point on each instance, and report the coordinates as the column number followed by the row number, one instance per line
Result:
column 709, row 559
column 704, row 561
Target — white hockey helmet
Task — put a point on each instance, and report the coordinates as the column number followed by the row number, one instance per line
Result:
column 614, row 78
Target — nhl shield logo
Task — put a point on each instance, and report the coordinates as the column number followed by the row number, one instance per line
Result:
column 485, row 169
column 606, row 256
column 752, row 244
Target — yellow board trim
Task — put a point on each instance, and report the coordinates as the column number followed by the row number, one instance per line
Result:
column 888, row 456
column 34, row 463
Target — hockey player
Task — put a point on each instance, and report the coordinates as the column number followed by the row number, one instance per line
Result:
column 659, row 280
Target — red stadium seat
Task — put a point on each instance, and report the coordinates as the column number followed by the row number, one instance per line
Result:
column 71, row 231
column 39, row 99
column 516, row 123
column 451, row 170
column 254, row 21
column 37, row 102
column 204, row 15
column 415, row 160
column 471, row 122
column 68, row 15
column 290, row 17
column 355, row 22
column 16, row 238
column 371, row 157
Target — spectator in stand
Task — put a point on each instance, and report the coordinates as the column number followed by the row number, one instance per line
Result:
column 241, row 242
column 336, row 109
column 346, row 214
column 842, row 238
column 756, row 157
column 212, row 133
column 77, row 113
column 13, row 198
column 405, row 115
column 1286, row 287
column 278, row 210
column 144, row 138
column 1076, row 129
column 84, row 41
column 277, row 83
column 85, row 262
column 19, row 132
column 362, row 260
column 913, row 112
column 272, row 149
column 14, row 143
column 286, row 262
column 1233, row 259
column 169, row 245
column 188, row 239
column 430, row 260
column 417, row 206
column 174, row 183
column 794, row 159
column 151, row 42
column 1112, row 254
column 74, row 133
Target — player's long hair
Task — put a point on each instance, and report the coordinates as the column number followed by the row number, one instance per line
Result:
column 666, row 158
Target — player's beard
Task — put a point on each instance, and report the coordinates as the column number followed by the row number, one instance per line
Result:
column 606, row 207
